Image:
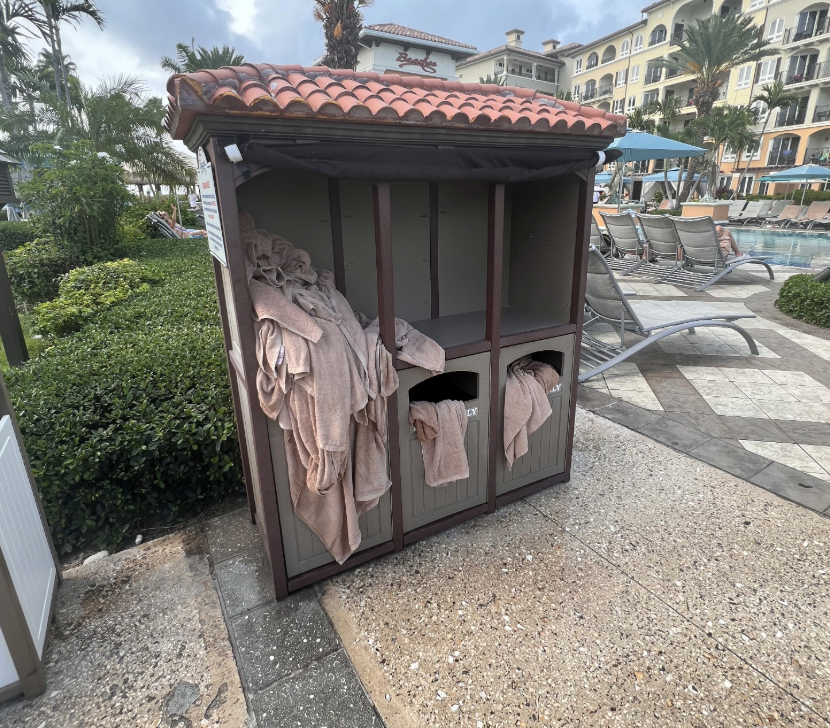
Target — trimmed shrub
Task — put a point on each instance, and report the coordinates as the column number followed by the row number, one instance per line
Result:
column 78, row 198
column 805, row 299
column 130, row 421
column 671, row 211
column 135, row 226
column 35, row 269
column 84, row 292
column 15, row 234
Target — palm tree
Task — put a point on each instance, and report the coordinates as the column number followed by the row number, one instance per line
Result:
column 640, row 119
column 118, row 117
column 708, row 52
column 729, row 127
column 773, row 97
column 668, row 109
column 57, row 12
column 190, row 59
column 15, row 15
column 341, row 21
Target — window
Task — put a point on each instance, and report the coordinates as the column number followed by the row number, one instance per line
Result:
column 625, row 49
column 766, row 74
column 638, row 44
column 593, row 61
column 635, row 74
column 757, row 4
column 618, row 106
column 653, row 74
column 728, row 155
column 782, row 151
column 751, row 155
column 746, row 185
column 763, row 187
column 576, row 91
column 578, row 66
column 776, row 30
column 590, row 90
column 658, row 35
column 609, row 54
column 620, row 78
column 632, row 103
column 650, row 97
column 744, row 77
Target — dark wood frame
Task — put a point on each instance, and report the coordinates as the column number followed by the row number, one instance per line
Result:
column 257, row 459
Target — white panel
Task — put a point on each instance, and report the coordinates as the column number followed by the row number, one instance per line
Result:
column 25, row 545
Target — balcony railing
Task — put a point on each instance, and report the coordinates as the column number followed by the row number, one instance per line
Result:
column 783, row 158
column 589, row 93
column 822, row 113
column 791, row 118
column 605, row 91
column 817, row 155
column 812, row 72
column 653, row 75
column 796, row 34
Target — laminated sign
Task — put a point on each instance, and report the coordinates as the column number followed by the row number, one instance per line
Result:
column 210, row 209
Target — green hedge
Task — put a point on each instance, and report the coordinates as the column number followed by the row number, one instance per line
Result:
column 15, row 234
column 130, row 421
column 670, row 211
column 35, row 270
column 805, row 299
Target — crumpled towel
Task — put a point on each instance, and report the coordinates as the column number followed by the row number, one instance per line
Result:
column 413, row 347
column 441, row 428
column 526, row 405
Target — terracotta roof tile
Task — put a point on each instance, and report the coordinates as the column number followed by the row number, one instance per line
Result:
column 323, row 93
column 395, row 29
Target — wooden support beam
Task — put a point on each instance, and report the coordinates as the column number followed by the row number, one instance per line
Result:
column 11, row 333
column 434, row 285
column 337, row 235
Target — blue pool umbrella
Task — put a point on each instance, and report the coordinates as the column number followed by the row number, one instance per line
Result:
column 804, row 173
column 637, row 146
column 658, row 176
column 603, row 178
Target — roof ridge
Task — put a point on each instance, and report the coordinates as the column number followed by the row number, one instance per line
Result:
column 406, row 32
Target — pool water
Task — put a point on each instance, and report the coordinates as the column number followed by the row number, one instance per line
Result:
column 797, row 249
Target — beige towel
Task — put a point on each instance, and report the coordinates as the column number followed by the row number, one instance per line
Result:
column 415, row 348
column 441, row 428
column 526, row 405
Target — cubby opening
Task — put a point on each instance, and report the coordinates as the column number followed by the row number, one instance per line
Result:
column 461, row 386
column 539, row 250
column 548, row 356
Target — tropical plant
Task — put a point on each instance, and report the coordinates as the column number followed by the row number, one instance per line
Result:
column 641, row 119
column 57, row 12
column 564, row 95
column 727, row 127
column 17, row 19
column 708, row 52
column 341, row 21
column 668, row 110
column 490, row 79
column 773, row 97
column 117, row 117
column 190, row 59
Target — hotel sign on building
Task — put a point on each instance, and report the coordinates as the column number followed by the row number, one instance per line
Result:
column 391, row 48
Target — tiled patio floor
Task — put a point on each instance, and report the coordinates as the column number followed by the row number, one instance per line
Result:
column 759, row 414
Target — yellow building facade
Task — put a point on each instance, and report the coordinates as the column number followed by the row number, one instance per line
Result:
column 616, row 73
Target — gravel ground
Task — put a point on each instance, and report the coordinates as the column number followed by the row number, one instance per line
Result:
column 652, row 590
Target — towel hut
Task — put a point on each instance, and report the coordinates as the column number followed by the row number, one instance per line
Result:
column 461, row 208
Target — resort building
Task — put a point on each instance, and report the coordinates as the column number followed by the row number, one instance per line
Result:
column 512, row 65
column 391, row 48
column 616, row 73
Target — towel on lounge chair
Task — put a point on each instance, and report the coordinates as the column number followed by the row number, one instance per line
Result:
column 526, row 405
column 441, row 427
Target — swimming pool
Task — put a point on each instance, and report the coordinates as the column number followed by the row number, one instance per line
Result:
column 797, row 249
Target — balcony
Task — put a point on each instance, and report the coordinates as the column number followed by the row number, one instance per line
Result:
column 605, row 91
column 822, row 113
column 677, row 36
column 653, row 75
column 813, row 72
column 783, row 158
column 817, row 155
column 527, row 81
column 589, row 93
column 787, row 118
column 797, row 34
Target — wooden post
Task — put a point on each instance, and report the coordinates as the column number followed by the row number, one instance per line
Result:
column 495, row 251
column 382, row 197
column 434, row 285
column 11, row 333
column 337, row 236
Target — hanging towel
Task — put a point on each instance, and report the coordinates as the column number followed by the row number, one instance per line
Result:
column 526, row 405
column 441, row 428
column 415, row 348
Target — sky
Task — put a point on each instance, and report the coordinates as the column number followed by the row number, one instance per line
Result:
column 137, row 34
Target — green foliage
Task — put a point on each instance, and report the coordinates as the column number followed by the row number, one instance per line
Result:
column 85, row 292
column 190, row 59
column 809, row 196
column 15, row 234
column 78, row 197
column 670, row 211
column 130, row 421
column 35, row 269
column 805, row 299
column 135, row 226
column 658, row 196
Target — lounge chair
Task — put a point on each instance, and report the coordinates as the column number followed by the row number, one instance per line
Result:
column 661, row 238
column 654, row 320
column 754, row 212
column 750, row 212
column 598, row 239
column 788, row 214
column 625, row 241
column 762, row 215
column 816, row 212
column 776, row 208
column 161, row 225
column 735, row 209
column 701, row 249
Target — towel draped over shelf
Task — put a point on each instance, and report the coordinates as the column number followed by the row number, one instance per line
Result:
column 441, row 427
